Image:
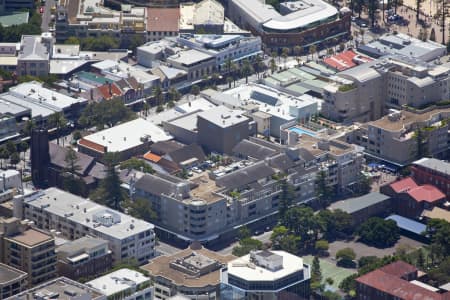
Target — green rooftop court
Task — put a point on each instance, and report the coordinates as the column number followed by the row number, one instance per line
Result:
column 330, row 269
column 16, row 18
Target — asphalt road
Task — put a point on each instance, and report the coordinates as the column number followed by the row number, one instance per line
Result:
column 46, row 16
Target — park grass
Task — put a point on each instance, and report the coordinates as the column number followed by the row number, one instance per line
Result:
column 330, row 270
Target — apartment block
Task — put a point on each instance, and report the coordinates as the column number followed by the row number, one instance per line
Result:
column 34, row 55
column 83, row 258
column 75, row 217
column 394, row 81
column 12, row 281
column 197, row 64
column 60, row 288
column 28, row 249
column 394, row 138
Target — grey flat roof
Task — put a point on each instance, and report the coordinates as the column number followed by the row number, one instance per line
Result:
column 356, row 204
column 434, row 164
column 223, row 117
column 81, row 244
column 12, row 108
column 35, row 108
column 8, row 273
column 32, row 48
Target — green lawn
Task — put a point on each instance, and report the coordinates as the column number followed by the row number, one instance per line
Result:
column 331, row 270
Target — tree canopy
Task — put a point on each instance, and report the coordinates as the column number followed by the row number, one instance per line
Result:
column 379, row 232
column 105, row 113
column 136, row 164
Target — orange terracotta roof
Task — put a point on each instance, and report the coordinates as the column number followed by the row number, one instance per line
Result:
column 152, row 157
column 104, row 90
column 92, row 145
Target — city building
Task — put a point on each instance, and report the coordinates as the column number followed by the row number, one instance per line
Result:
column 345, row 60
column 27, row 249
column 60, row 288
column 124, row 284
column 221, row 128
column 207, row 16
column 410, row 199
column 91, row 19
column 33, row 100
column 224, row 48
column 432, row 171
column 394, row 81
column 403, row 44
column 266, row 275
column 397, row 280
column 268, row 107
column 196, row 63
column 8, row 128
column 393, row 138
column 127, row 139
column 34, row 55
column 311, row 23
column 75, row 217
column 12, row 281
column 193, row 273
column 162, row 22
column 10, row 179
column 83, row 258
column 362, row 208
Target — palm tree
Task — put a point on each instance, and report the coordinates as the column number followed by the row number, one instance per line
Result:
column 312, row 50
column 259, row 65
column 285, row 54
column 273, row 65
column 145, row 108
column 229, row 81
column 228, row 64
column 158, row 95
column 246, row 70
column 58, row 121
column 297, row 52
column 195, row 90
column 174, row 95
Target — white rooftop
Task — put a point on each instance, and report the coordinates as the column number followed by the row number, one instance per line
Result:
column 83, row 211
column 35, row 92
column 223, row 117
column 243, row 268
column 128, row 135
column 118, row 281
column 189, row 57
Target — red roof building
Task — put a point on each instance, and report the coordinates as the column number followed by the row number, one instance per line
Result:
column 345, row 60
column 162, row 22
column 410, row 199
column 387, row 283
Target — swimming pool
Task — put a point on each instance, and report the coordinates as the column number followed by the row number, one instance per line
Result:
column 302, row 131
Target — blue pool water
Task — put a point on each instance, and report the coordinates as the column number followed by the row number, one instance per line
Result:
column 302, row 131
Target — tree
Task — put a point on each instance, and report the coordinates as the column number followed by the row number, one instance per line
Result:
column 229, row 81
column 286, row 197
column 290, row 243
column 379, row 232
column 312, row 50
column 421, row 142
column 99, row 43
column 336, row 223
column 174, row 95
column 246, row 245
column 278, row 233
column 246, row 69
column 345, row 256
column 136, row 164
column 109, row 191
column 158, row 95
column 58, row 121
column 300, row 221
column 4, row 154
column 316, row 273
column 76, row 135
column 273, row 65
column 420, row 263
column 195, row 90
column 297, row 52
column 324, row 192
column 145, row 108
column 23, row 147
column 244, row 233
column 14, row 159
column 142, row 209
column 170, row 104
column 11, row 147
column 285, row 53
column 438, row 231
column 71, row 182
column 71, row 161
column 259, row 65
column 72, row 40
column 28, row 127
column 322, row 246
column 105, row 113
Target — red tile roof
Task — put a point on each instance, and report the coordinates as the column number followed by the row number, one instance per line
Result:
column 104, row 90
column 345, row 60
column 395, row 286
column 427, row 192
column 92, row 145
column 163, row 19
column 403, row 185
column 152, row 157
column 399, row 268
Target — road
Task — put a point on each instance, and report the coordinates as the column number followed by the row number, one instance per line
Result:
column 46, row 16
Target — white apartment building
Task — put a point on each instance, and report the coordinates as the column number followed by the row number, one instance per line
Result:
column 74, row 217
column 34, row 55
column 123, row 284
